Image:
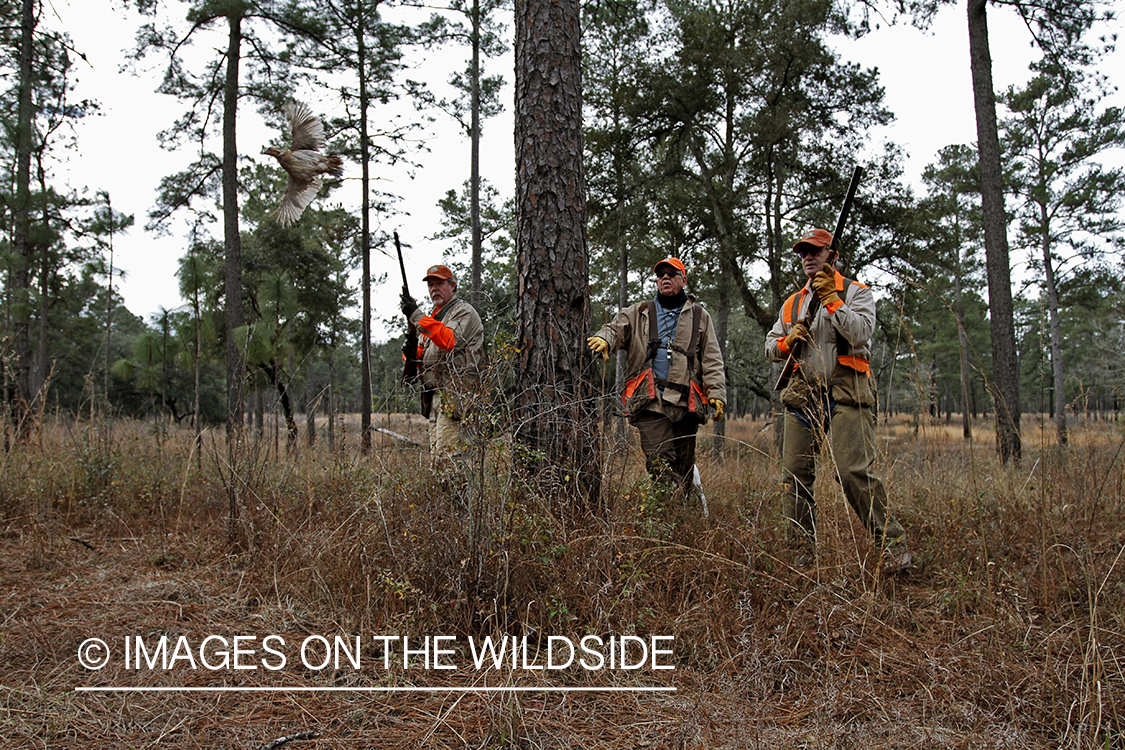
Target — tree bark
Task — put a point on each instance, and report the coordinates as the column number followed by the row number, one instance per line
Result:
column 232, row 251
column 474, row 159
column 1006, row 381
column 722, row 328
column 19, row 276
column 109, row 304
column 38, row 380
column 232, row 246
column 365, row 238
column 555, row 416
column 196, row 310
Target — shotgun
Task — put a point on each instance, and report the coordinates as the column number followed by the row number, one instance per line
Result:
column 814, row 303
column 410, row 346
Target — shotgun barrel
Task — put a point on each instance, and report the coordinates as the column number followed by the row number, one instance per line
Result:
column 410, row 345
column 814, row 304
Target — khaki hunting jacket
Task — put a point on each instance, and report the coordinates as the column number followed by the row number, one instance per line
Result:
column 854, row 319
column 451, row 350
column 629, row 330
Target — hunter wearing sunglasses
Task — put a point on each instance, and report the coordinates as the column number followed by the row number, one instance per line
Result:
column 830, row 398
column 676, row 378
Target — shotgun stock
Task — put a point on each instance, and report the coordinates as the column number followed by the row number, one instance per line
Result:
column 410, row 345
column 814, row 304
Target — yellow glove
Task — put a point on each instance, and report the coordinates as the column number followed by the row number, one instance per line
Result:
column 824, row 284
column 719, row 405
column 800, row 332
column 598, row 345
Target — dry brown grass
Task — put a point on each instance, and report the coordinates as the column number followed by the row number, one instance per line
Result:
column 1009, row 633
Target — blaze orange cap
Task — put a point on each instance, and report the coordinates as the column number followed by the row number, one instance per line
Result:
column 674, row 263
column 438, row 272
column 816, row 238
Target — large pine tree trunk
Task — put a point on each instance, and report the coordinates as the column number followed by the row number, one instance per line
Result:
column 1006, row 375
column 47, row 274
column 555, row 404
column 19, row 276
column 722, row 328
column 232, row 247
column 39, row 370
column 621, row 363
column 196, row 417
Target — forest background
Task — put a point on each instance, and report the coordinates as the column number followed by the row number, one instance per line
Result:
column 926, row 279
column 713, row 131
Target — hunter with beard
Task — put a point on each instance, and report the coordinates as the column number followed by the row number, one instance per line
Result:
column 450, row 356
column 675, row 374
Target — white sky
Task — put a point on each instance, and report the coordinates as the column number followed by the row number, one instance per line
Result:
column 926, row 77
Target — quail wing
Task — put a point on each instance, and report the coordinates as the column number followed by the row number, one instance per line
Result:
column 298, row 195
column 305, row 128
column 303, row 162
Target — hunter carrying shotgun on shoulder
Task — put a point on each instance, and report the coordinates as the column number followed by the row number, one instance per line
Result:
column 823, row 333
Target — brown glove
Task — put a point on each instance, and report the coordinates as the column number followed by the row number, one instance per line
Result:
column 800, row 332
column 824, row 284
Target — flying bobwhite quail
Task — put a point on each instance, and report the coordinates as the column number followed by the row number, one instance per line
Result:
column 303, row 161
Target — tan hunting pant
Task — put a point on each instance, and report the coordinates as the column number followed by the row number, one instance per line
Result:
column 851, row 430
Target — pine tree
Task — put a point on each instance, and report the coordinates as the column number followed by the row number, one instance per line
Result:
column 616, row 44
column 953, row 209
column 1066, row 200
column 352, row 36
column 1057, row 28
column 479, row 99
column 556, row 424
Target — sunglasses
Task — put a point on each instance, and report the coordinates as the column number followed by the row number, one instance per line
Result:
column 671, row 273
column 807, row 251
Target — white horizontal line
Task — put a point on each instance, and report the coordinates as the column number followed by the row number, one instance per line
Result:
column 545, row 689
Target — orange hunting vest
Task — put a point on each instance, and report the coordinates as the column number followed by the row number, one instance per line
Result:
column 792, row 306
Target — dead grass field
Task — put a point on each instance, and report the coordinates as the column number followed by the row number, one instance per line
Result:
column 1008, row 633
